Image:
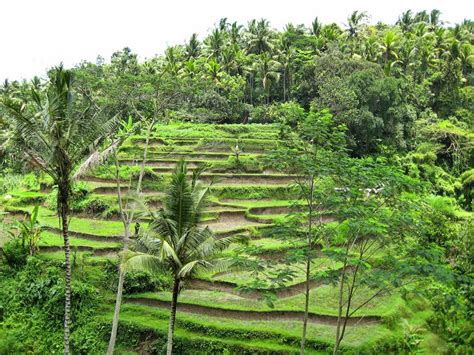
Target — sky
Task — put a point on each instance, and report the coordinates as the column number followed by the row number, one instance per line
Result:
column 35, row 35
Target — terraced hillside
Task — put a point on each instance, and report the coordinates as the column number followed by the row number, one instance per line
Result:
column 215, row 312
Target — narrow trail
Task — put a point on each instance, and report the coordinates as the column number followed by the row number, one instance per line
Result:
column 253, row 315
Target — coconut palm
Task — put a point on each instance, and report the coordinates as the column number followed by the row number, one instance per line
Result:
column 172, row 60
column 316, row 27
column 259, row 37
column 59, row 133
column 355, row 22
column 193, row 47
column 285, row 58
column 175, row 242
column 269, row 70
column 215, row 43
column 405, row 21
column 389, row 47
column 234, row 33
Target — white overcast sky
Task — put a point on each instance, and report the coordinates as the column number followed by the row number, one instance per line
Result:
column 36, row 34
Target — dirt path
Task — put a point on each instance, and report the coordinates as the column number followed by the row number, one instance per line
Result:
column 252, row 315
column 230, row 220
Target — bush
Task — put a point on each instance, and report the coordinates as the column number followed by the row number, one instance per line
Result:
column 93, row 206
column 80, row 191
column 15, row 253
column 467, row 189
column 9, row 182
column 33, row 303
column 136, row 281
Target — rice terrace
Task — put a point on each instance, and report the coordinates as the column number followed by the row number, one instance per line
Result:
column 256, row 191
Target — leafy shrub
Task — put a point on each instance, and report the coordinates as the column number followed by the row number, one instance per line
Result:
column 10, row 182
column 30, row 181
column 136, row 281
column 80, row 191
column 15, row 253
column 467, row 189
column 92, row 205
column 27, row 198
column 33, row 300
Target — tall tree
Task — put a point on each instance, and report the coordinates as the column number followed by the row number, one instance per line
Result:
column 269, row 70
column 259, row 37
column 59, row 129
column 175, row 242
column 312, row 151
column 193, row 47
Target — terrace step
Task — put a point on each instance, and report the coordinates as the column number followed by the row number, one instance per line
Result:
column 253, row 315
column 88, row 236
column 81, row 248
column 208, row 156
column 133, row 315
column 218, row 178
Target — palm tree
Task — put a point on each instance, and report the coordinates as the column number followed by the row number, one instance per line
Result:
column 389, row 48
column 193, row 47
column 316, row 27
column 175, row 242
column 58, row 131
column 422, row 16
column 214, row 70
column 285, row 58
column 215, row 42
column 234, row 33
column 172, row 60
column 355, row 22
column 435, row 16
column 406, row 21
column 269, row 71
column 259, row 37
column 229, row 60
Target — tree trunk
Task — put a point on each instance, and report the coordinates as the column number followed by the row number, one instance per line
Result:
column 174, row 303
column 64, row 209
column 126, row 220
column 341, row 295
column 118, row 300
column 308, row 265
column 306, row 307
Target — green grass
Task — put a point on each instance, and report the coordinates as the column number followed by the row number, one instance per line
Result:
column 139, row 316
column 243, row 278
column 178, row 131
column 259, row 203
column 275, row 333
column 323, row 301
column 212, row 145
column 82, row 225
column 87, row 225
column 51, row 239
column 79, row 255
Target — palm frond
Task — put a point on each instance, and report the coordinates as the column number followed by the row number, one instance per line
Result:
column 133, row 261
column 95, row 159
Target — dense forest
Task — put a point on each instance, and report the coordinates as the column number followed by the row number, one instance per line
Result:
column 321, row 173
